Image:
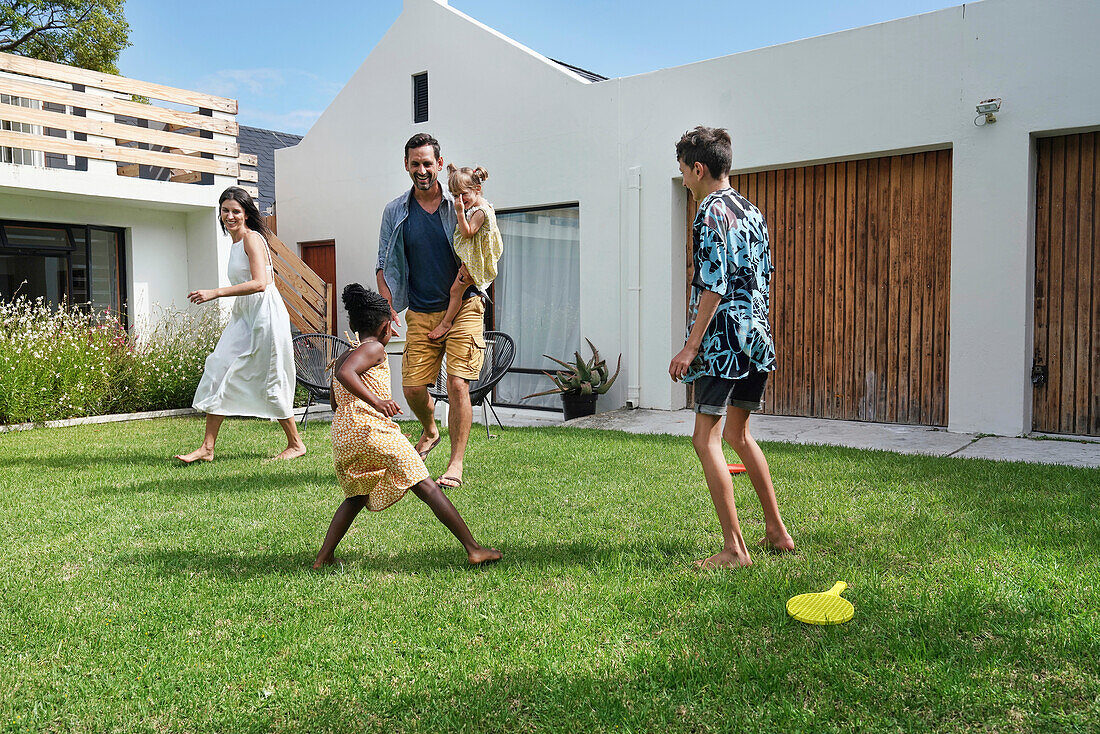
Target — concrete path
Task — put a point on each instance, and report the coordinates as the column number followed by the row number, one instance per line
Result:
column 1078, row 451
column 1075, row 451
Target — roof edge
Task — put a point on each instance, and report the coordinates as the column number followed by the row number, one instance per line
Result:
column 566, row 69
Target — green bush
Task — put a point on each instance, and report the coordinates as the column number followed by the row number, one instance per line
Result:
column 63, row 362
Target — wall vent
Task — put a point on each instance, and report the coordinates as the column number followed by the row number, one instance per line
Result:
column 420, row 97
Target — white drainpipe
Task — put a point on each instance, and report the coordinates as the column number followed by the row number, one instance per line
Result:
column 633, row 246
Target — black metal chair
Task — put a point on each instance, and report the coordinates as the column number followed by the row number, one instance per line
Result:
column 500, row 351
column 313, row 357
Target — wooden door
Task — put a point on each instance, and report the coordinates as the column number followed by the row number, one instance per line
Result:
column 320, row 256
column 860, row 295
column 1066, row 369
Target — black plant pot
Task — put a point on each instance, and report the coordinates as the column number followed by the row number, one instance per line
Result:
column 577, row 406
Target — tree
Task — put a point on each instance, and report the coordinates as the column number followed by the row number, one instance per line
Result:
column 85, row 33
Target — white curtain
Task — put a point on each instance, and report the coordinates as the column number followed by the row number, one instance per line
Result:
column 538, row 297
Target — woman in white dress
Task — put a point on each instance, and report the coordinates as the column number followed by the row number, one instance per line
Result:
column 251, row 370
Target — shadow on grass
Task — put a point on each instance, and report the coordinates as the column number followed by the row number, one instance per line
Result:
column 190, row 481
column 425, row 561
column 129, row 457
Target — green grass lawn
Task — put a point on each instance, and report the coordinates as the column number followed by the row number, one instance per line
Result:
column 147, row 597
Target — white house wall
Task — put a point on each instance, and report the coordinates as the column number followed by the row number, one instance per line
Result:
column 548, row 138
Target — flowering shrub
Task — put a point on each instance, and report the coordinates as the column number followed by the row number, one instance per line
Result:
column 62, row 362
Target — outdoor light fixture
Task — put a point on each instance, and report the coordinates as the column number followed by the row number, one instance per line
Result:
column 986, row 108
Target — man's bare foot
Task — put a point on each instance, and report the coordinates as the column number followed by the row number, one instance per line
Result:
column 322, row 562
column 448, row 480
column 483, row 555
column 428, row 442
column 290, row 452
column 439, row 332
column 724, row 559
column 199, row 454
column 777, row 543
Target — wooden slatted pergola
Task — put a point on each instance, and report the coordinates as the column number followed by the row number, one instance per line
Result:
column 65, row 110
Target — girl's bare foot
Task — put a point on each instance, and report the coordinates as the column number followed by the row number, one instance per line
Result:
column 199, row 454
column 322, row 562
column 439, row 332
column 778, row 543
column 483, row 555
column 290, row 452
column 725, row 559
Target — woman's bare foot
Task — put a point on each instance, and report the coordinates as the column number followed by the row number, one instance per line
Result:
column 483, row 555
column 777, row 543
column 199, row 454
column 725, row 559
column 439, row 332
column 330, row 561
column 290, row 452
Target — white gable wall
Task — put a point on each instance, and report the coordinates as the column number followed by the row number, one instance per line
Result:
column 544, row 137
column 895, row 87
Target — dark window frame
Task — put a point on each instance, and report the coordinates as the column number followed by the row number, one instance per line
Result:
column 68, row 229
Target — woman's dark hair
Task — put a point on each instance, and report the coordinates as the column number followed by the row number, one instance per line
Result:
column 367, row 310
column 710, row 146
column 251, row 213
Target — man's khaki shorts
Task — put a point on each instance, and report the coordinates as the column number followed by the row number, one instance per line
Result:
column 464, row 344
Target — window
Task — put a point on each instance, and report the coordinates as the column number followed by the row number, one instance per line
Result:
column 20, row 156
column 77, row 263
column 537, row 293
column 420, row 97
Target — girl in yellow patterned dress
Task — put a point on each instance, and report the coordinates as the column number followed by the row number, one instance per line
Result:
column 375, row 463
column 477, row 240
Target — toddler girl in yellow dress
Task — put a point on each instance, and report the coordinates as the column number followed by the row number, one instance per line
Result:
column 477, row 240
column 375, row 463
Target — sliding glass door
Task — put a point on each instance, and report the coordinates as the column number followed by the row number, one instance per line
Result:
column 537, row 296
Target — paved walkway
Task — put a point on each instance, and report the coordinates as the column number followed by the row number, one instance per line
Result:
column 1075, row 451
column 1078, row 451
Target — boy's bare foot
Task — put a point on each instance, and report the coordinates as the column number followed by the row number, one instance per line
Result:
column 724, row 559
column 483, row 555
column 322, row 562
column 439, row 332
column 290, row 452
column 199, row 454
column 777, row 544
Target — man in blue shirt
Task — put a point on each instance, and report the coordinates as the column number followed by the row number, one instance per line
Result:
column 417, row 264
column 729, row 350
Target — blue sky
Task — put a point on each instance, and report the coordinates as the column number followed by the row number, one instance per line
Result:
column 285, row 60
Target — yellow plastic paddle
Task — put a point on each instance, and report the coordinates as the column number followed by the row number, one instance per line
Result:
column 823, row 608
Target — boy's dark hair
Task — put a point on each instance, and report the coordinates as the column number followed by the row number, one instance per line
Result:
column 367, row 310
column 419, row 141
column 710, row 146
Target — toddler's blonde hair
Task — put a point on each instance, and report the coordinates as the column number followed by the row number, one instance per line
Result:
column 465, row 178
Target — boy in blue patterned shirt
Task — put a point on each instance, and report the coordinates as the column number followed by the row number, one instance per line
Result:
column 729, row 350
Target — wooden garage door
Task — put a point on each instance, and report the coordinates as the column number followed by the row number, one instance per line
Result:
column 860, row 295
column 1067, row 298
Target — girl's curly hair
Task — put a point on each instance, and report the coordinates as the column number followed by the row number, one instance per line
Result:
column 367, row 310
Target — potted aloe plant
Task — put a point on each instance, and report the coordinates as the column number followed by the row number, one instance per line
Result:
column 580, row 382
